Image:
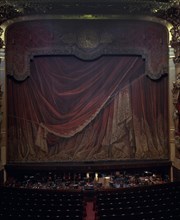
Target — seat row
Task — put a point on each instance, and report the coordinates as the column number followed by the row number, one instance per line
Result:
column 130, row 206
column 36, row 193
column 40, row 212
column 169, row 188
column 146, row 206
column 40, row 207
column 168, row 214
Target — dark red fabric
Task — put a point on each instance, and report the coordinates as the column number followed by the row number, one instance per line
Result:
column 67, row 110
column 64, row 93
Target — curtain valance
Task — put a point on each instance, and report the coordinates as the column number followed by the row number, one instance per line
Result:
column 88, row 40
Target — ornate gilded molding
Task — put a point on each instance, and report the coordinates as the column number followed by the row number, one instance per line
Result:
column 175, row 43
column 172, row 15
column 22, row 7
column 1, row 93
column 176, row 113
column 175, row 32
column 14, row 8
column 90, row 9
column 1, row 41
column 174, row 18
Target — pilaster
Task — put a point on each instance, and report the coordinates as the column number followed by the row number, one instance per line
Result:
column 175, row 43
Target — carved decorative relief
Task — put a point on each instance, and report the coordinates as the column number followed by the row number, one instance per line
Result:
column 1, row 93
column 14, row 8
column 176, row 97
column 71, row 37
column 176, row 114
column 88, row 39
column 175, row 43
column 1, row 41
column 174, row 18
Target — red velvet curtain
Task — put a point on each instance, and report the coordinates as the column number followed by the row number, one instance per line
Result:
column 69, row 109
column 150, row 117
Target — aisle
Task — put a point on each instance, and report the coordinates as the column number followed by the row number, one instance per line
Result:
column 90, row 212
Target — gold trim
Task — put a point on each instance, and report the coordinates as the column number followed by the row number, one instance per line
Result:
column 9, row 22
column 87, row 17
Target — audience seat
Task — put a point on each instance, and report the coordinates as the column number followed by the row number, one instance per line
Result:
column 145, row 203
column 40, row 204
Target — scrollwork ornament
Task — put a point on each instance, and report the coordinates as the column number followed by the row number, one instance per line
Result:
column 88, row 39
column 1, row 93
column 176, row 84
column 175, row 42
column 177, row 142
column 176, row 113
column 175, row 31
column 1, row 41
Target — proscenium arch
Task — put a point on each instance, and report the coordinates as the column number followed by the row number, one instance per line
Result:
column 81, row 53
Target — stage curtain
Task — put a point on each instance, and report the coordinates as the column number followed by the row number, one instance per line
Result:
column 150, row 117
column 72, row 109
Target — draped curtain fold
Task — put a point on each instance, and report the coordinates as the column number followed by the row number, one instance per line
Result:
column 71, row 109
column 71, row 93
column 150, row 117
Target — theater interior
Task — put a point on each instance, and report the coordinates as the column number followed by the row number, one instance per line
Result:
column 90, row 109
